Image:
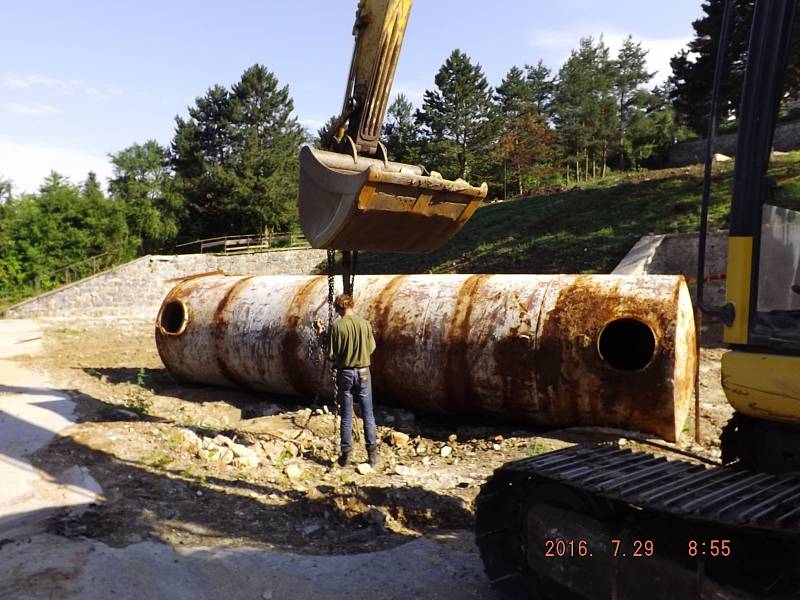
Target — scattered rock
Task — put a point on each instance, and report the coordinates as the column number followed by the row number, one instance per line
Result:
column 250, row 461
column 364, row 469
column 420, row 450
column 398, row 439
column 496, row 446
column 267, row 595
column 291, row 449
column 622, row 442
column 310, row 530
column 190, row 439
column 402, row 470
column 445, row 451
column 273, row 450
column 426, row 460
column 452, row 438
column 293, row 471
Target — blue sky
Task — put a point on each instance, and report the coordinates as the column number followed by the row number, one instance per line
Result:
column 83, row 79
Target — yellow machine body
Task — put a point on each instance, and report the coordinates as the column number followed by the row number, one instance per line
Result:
column 765, row 386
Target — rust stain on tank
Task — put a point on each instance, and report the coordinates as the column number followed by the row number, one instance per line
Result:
column 458, row 382
column 515, row 360
column 388, row 343
column 219, row 328
column 296, row 368
column 578, row 311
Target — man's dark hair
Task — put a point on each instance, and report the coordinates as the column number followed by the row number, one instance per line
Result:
column 343, row 302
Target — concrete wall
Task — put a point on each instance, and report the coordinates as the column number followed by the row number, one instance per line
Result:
column 787, row 137
column 676, row 254
column 137, row 288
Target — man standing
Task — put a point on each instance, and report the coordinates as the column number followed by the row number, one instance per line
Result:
column 350, row 345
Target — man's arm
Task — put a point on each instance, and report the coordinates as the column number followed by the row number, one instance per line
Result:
column 329, row 345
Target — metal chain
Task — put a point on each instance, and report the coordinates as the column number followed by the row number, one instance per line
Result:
column 348, row 282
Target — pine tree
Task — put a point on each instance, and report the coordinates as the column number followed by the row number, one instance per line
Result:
column 235, row 158
column 460, row 116
column 584, row 106
column 630, row 74
column 540, row 84
column 693, row 69
column 400, row 132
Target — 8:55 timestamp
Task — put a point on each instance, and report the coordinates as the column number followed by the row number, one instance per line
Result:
column 712, row 548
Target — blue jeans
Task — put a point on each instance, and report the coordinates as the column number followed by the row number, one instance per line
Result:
column 356, row 382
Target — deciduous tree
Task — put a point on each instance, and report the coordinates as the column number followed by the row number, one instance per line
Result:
column 142, row 181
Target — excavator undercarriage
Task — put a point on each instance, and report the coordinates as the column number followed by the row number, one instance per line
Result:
column 607, row 522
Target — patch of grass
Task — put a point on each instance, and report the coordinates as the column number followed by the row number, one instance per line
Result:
column 537, row 447
column 139, row 401
column 157, row 459
column 174, row 440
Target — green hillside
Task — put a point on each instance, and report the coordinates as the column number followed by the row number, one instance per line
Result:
column 584, row 230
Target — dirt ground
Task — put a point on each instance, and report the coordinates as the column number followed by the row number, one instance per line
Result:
column 153, row 444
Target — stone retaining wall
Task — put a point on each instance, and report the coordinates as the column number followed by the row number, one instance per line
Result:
column 137, row 288
column 787, row 137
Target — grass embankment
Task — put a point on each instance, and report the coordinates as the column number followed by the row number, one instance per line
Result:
column 587, row 229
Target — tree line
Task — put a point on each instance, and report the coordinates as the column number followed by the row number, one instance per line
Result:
column 231, row 167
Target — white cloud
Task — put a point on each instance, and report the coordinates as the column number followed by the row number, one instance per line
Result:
column 65, row 86
column 560, row 42
column 33, row 110
column 28, row 164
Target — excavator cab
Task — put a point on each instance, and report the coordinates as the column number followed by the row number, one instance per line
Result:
column 352, row 197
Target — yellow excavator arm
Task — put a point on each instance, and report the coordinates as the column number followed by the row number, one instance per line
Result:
column 352, row 197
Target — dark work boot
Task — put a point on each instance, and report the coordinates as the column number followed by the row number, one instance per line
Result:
column 344, row 459
column 374, row 457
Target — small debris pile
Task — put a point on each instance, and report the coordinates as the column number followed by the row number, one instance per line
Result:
column 221, row 449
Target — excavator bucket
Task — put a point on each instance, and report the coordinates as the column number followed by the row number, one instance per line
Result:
column 350, row 202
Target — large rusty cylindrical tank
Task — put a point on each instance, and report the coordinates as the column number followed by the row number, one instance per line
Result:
column 550, row 350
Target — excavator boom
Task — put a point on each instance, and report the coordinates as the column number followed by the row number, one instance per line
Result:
column 352, row 197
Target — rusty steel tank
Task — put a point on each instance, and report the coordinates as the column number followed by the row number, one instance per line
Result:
column 549, row 350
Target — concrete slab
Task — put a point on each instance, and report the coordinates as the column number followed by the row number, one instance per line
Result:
column 31, row 413
column 88, row 570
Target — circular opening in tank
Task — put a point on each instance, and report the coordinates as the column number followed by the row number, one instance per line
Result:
column 627, row 344
column 172, row 319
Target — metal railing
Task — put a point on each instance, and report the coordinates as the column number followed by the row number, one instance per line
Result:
column 238, row 244
column 73, row 271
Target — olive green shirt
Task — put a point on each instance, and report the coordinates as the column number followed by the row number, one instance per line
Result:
column 351, row 342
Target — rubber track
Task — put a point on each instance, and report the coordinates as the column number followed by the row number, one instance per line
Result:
column 730, row 496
